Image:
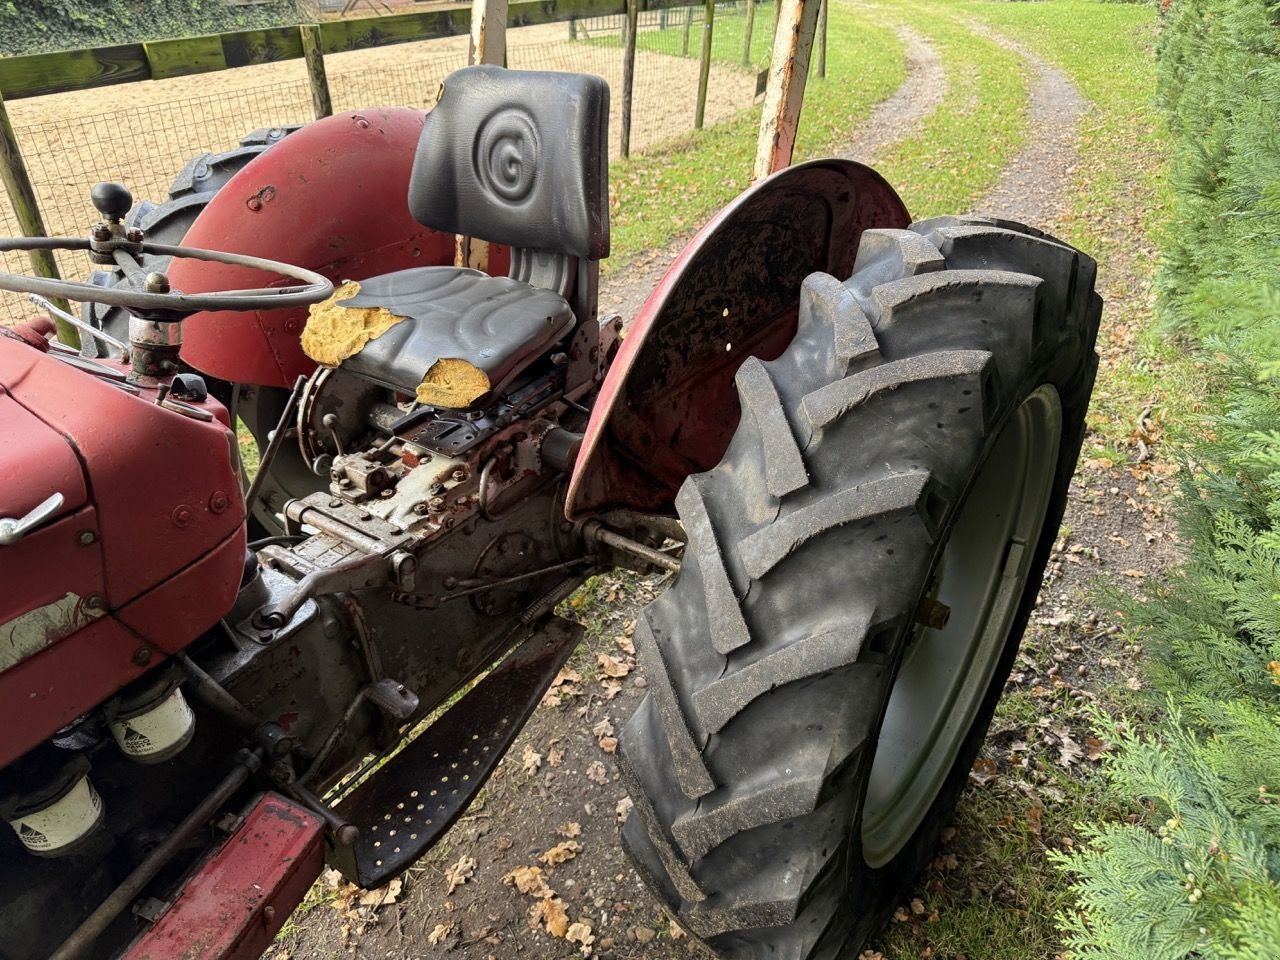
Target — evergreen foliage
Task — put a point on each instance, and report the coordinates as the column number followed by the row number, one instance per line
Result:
column 38, row 26
column 1195, row 872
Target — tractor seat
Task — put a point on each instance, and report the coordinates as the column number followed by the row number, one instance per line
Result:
column 514, row 157
column 456, row 336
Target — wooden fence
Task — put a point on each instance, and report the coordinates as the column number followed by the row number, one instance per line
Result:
column 76, row 70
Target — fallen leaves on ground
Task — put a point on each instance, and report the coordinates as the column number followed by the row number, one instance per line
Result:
column 529, row 880
column 561, row 852
column 580, row 933
column 570, row 830
column 622, row 808
column 530, row 760
column 596, row 772
column 550, row 912
column 611, row 688
column 555, row 755
column 612, row 667
column 437, row 935
column 603, row 732
column 676, row 932
column 984, row 771
column 459, row 873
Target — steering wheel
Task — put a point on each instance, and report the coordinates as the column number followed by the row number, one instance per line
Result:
column 148, row 294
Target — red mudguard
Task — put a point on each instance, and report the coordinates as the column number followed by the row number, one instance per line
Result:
column 668, row 406
column 333, row 198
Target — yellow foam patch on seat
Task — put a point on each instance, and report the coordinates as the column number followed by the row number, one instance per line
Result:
column 453, row 384
column 335, row 332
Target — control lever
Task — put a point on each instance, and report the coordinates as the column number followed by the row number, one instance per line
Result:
column 11, row 530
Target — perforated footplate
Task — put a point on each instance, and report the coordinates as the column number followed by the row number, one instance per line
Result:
column 408, row 804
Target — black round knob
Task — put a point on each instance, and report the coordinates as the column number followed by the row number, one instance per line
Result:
column 112, row 200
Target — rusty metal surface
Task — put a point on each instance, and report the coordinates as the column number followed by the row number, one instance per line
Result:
column 668, row 405
column 237, row 902
column 408, row 804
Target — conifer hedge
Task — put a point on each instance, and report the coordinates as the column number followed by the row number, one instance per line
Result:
column 1195, row 873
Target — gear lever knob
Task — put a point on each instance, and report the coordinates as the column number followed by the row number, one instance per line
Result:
column 112, row 200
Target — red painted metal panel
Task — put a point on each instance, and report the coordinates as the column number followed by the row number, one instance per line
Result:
column 179, row 610
column 164, row 484
column 332, row 197
column 34, row 460
column 668, row 406
column 47, row 691
column 238, row 901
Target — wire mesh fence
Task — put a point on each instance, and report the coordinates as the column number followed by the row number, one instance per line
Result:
column 142, row 134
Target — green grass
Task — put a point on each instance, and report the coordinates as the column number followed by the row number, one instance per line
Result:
column 979, row 127
column 992, row 893
column 669, row 192
column 1120, row 202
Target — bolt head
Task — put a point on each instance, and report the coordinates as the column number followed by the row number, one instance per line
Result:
column 157, row 283
column 142, row 656
column 87, row 537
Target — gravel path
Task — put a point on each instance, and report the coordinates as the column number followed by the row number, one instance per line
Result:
column 904, row 113
column 1033, row 188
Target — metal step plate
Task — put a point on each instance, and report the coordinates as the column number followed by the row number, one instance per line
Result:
column 408, row 804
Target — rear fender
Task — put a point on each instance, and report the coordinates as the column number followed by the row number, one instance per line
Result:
column 332, row 197
column 668, row 406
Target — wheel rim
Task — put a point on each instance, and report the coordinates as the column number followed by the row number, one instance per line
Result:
column 981, row 575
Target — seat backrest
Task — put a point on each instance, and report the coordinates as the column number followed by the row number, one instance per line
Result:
column 517, row 157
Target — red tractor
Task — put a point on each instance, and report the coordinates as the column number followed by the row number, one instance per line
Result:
column 851, row 435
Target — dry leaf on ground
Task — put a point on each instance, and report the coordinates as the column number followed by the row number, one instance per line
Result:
column 612, row 667
column 561, row 852
column 382, row 896
column 622, row 808
column 531, row 760
column 580, row 933
column 984, row 771
column 459, row 873
column 596, row 772
column 555, row 756
column 571, row 829
column 530, row 880
column 549, row 911
column 626, row 646
column 439, row 933
column 611, row 688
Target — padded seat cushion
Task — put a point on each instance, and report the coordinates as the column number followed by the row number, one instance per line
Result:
column 463, row 337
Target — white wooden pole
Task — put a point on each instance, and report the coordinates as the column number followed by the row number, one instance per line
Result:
column 784, row 94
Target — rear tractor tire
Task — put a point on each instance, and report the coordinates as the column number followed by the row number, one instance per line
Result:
column 860, row 568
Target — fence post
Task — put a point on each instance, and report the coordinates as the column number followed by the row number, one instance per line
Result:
column 822, row 39
column 704, row 72
column 629, row 74
column 22, row 197
column 688, row 19
column 783, row 98
column 573, row 29
column 313, row 51
column 746, row 43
